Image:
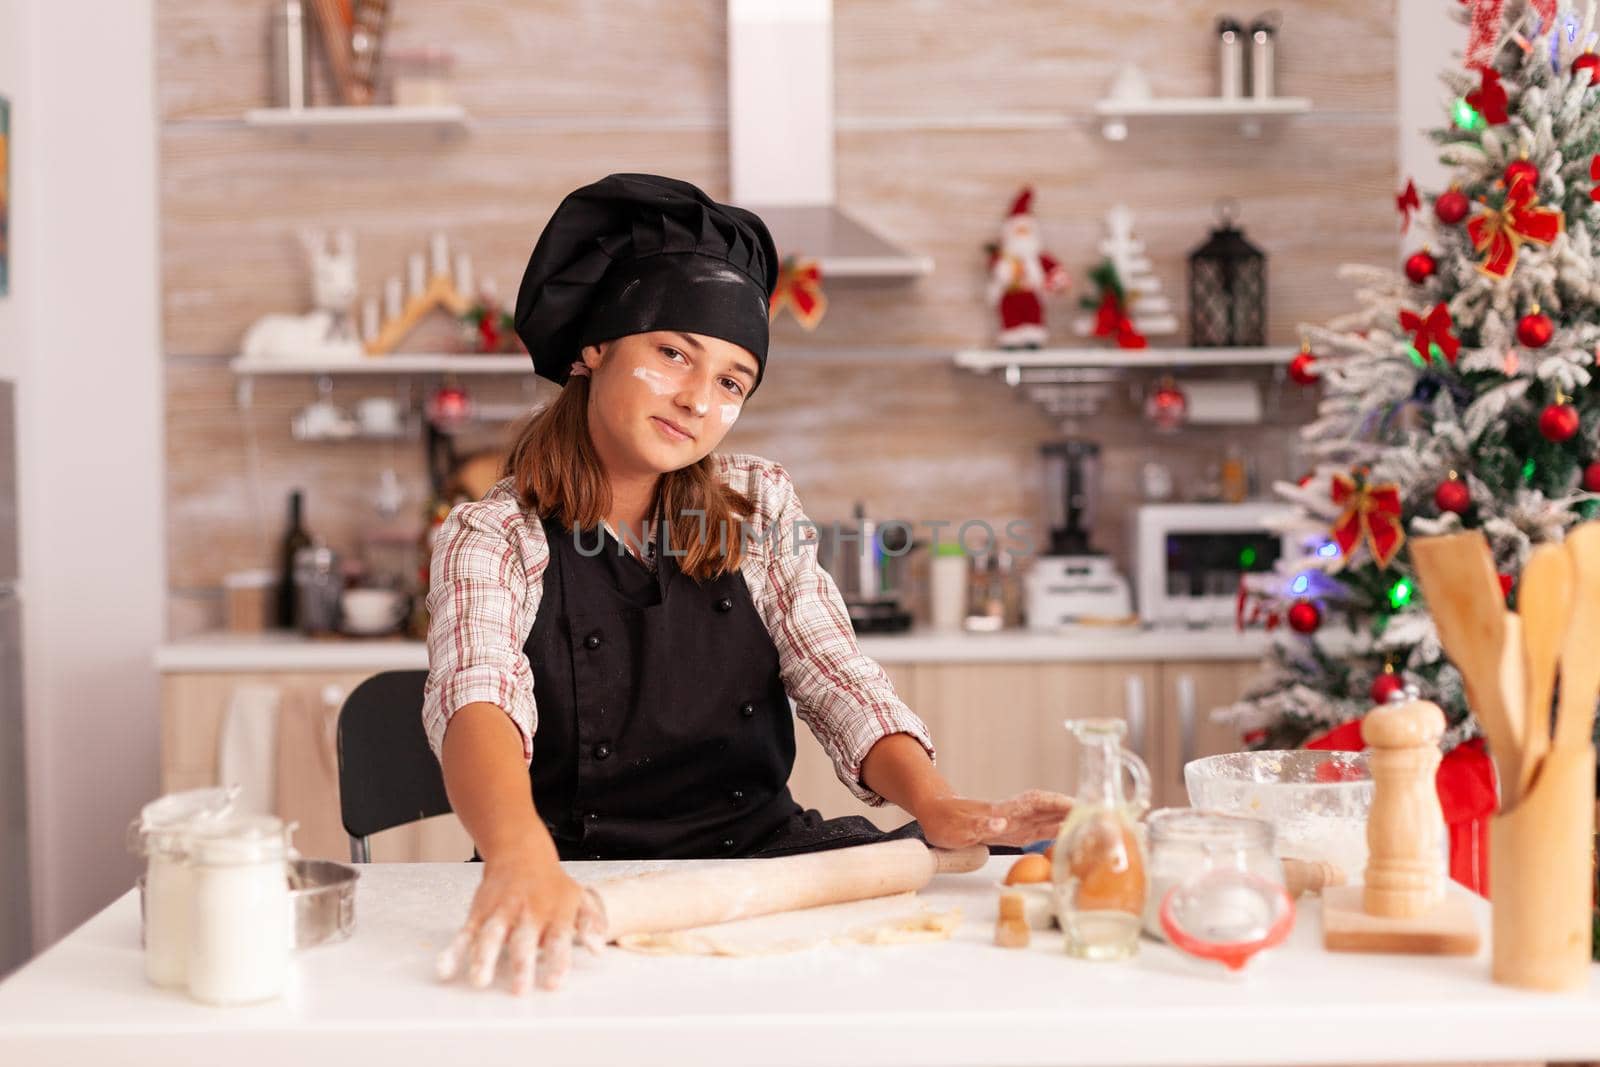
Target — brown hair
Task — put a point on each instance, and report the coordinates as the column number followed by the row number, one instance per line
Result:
column 556, row 473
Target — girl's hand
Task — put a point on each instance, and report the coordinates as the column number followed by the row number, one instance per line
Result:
column 531, row 908
column 956, row 822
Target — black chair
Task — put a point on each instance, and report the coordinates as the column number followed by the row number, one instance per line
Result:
column 388, row 775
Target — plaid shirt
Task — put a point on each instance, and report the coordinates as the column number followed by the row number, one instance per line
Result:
column 488, row 572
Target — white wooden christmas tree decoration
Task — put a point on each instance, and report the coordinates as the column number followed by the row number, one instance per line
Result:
column 1147, row 306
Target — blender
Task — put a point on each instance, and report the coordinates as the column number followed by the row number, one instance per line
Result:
column 1074, row 582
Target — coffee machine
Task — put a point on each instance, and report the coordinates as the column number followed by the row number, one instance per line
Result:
column 1073, row 582
column 869, row 564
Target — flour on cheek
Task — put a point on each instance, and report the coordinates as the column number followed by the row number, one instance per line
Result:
column 657, row 382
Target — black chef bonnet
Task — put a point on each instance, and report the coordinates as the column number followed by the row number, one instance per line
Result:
column 638, row 252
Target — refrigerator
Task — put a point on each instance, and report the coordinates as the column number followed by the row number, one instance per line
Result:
column 16, row 937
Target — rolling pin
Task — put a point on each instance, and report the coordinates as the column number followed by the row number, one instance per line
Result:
column 661, row 901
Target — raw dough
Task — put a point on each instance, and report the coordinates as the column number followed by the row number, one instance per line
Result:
column 901, row 919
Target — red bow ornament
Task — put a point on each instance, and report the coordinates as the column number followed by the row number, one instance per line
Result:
column 1406, row 203
column 1498, row 233
column 1489, row 98
column 799, row 288
column 1110, row 320
column 1370, row 513
column 1430, row 331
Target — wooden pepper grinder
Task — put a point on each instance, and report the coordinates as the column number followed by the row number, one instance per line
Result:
column 1405, row 825
column 1403, row 906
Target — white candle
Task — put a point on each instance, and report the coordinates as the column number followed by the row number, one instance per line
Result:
column 419, row 280
column 441, row 256
column 464, row 275
column 392, row 299
column 369, row 319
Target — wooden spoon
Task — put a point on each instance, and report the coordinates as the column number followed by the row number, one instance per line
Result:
column 1463, row 594
column 1580, row 651
column 1544, row 603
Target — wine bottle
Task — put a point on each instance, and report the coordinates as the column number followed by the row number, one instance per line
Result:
column 294, row 539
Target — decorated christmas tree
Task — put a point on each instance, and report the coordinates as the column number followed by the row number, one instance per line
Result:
column 1457, row 397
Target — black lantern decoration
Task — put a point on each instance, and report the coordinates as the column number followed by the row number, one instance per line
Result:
column 1227, row 288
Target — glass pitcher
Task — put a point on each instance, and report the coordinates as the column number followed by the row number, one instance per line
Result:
column 1099, row 862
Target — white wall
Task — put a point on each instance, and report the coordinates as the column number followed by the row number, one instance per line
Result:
column 1428, row 41
column 80, row 333
column 14, row 72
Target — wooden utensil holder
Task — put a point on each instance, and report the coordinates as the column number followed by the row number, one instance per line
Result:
column 1540, row 875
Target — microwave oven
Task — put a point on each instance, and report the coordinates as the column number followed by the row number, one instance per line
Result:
column 1190, row 557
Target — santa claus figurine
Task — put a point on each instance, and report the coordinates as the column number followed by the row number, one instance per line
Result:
column 1019, row 272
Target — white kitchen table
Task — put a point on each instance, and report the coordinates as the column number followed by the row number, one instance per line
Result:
column 374, row 1000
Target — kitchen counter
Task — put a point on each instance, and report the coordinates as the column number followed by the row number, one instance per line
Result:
column 1092, row 644
column 373, row 999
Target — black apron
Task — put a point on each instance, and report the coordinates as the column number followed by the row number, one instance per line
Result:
column 664, row 731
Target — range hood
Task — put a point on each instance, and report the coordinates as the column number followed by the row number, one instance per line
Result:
column 780, row 137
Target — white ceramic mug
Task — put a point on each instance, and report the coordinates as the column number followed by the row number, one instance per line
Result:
column 372, row 611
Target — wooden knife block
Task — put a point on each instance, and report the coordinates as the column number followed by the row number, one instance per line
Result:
column 1540, row 877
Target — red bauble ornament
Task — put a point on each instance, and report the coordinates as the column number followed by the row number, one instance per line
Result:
column 1304, row 617
column 1589, row 62
column 1505, row 586
column 1303, row 368
column 1521, row 169
column 1420, row 267
column 449, row 407
column 1451, row 207
column 1558, row 422
column 1453, row 495
column 1384, row 686
column 1167, row 407
column 1591, row 477
column 1534, row 329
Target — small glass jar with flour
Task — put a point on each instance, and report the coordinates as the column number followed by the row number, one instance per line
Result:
column 241, row 932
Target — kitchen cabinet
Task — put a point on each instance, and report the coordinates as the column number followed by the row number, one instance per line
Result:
column 1190, row 692
column 304, row 766
column 997, row 726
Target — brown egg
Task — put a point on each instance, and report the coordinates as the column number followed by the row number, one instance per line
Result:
column 1031, row 867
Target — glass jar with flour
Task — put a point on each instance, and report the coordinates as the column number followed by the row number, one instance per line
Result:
column 161, row 835
column 241, row 932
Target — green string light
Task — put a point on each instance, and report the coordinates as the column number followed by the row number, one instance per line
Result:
column 1528, row 470
column 1400, row 594
column 1247, row 558
column 1416, row 357
column 1465, row 115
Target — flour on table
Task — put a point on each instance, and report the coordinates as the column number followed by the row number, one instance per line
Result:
column 901, row 919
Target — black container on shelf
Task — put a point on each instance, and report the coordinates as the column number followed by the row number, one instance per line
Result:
column 1227, row 289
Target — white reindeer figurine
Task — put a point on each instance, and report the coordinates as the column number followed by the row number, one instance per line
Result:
column 325, row 332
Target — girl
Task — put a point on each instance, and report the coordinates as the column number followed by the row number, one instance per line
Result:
column 619, row 625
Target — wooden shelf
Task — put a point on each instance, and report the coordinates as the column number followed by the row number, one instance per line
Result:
column 247, row 370
column 1250, row 113
column 395, row 363
column 307, row 119
column 1014, row 360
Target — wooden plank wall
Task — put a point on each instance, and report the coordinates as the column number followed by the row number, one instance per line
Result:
column 564, row 91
